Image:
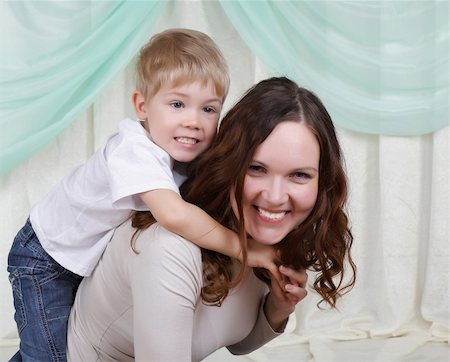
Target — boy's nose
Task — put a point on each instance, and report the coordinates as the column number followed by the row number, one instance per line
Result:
column 191, row 121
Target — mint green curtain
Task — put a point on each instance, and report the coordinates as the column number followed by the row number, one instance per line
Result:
column 380, row 67
column 56, row 56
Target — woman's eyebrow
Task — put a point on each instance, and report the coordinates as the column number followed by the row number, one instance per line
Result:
column 306, row 168
column 295, row 169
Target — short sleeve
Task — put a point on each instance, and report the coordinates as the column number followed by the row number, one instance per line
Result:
column 136, row 164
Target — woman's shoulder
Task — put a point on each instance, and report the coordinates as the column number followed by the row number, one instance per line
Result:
column 156, row 241
column 167, row 260
column 158, row 234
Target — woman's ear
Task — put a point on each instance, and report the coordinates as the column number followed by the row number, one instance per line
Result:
column 139, row 105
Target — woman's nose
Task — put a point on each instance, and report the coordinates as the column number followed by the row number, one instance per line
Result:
column 275, row 191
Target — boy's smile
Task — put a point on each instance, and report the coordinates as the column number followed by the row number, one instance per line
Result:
column 181, row 119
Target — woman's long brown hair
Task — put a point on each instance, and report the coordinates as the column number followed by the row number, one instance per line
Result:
column 322, row 242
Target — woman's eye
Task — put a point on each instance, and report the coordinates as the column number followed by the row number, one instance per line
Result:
column 256, row 169
column 301, row 176
column 176, row 104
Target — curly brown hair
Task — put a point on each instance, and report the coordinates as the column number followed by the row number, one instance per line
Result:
column 322, row 242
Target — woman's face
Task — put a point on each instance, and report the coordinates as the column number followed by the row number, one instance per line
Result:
column 281, row 185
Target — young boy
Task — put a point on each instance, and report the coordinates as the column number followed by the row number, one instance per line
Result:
column 182, row 82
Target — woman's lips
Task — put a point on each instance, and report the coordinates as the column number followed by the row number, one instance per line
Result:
column 271, row 215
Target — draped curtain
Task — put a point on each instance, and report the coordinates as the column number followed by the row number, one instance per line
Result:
column 56, row 57
column 377, row 74
column 382, row 67
column 382, row 79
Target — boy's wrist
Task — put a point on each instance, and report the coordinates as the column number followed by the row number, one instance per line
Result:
column 235, row 251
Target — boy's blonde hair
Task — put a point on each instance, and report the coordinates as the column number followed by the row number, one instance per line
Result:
column 180, row 56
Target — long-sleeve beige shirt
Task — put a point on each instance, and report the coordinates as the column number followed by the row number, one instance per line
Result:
column 147, row 306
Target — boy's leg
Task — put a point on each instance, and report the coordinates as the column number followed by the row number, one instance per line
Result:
column 16, row 358
column 43, row 293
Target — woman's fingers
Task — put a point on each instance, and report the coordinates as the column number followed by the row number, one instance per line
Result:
column 298, row 293
column 276, row 274
column 288, row 285
column 278, row 287
column 297, row 277
column 296, row 287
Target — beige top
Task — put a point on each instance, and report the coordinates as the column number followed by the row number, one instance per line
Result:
column 147, row 306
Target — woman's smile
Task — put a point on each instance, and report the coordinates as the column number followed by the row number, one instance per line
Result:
column 271, row 216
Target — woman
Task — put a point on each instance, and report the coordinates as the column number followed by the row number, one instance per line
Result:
column 275, row 173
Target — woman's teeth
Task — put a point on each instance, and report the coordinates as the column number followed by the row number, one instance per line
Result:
column 271, row 215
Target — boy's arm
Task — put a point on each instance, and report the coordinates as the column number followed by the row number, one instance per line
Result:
column 191, row 222
column 195, row 225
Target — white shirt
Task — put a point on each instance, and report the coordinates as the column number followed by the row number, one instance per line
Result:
column 75, row 221
column 147, row 306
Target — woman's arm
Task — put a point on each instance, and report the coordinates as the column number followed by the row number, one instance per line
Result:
column 166, row 277
column 261, row 333
column 275, row 311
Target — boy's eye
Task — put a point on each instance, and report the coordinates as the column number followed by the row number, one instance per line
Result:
column 176, row 104
column 209, row 109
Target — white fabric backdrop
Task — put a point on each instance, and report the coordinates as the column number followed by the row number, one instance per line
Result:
column 399, row 209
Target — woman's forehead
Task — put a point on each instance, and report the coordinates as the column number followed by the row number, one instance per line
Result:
column 292, row 143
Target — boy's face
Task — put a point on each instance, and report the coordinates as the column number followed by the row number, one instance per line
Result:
column 182, row 120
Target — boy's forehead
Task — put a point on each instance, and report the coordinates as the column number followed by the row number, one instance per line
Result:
column 185, row 83
column 187, row 86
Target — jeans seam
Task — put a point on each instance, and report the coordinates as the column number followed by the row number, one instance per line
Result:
column 25, row 234
column 16, row 285
column 44, row 322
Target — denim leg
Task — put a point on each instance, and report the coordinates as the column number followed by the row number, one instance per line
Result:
column 43, row 294
column 16, row 358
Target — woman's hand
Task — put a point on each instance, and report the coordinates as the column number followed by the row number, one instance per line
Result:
column 280, row 303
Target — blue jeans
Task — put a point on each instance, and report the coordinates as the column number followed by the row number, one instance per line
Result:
column 43, row 292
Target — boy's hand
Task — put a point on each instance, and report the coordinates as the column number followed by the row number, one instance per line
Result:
column 264, row 256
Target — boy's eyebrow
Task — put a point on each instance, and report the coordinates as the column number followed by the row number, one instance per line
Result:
column 183, row 94
column 218, row 100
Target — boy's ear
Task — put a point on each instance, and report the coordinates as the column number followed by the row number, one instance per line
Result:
column 138, row 101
